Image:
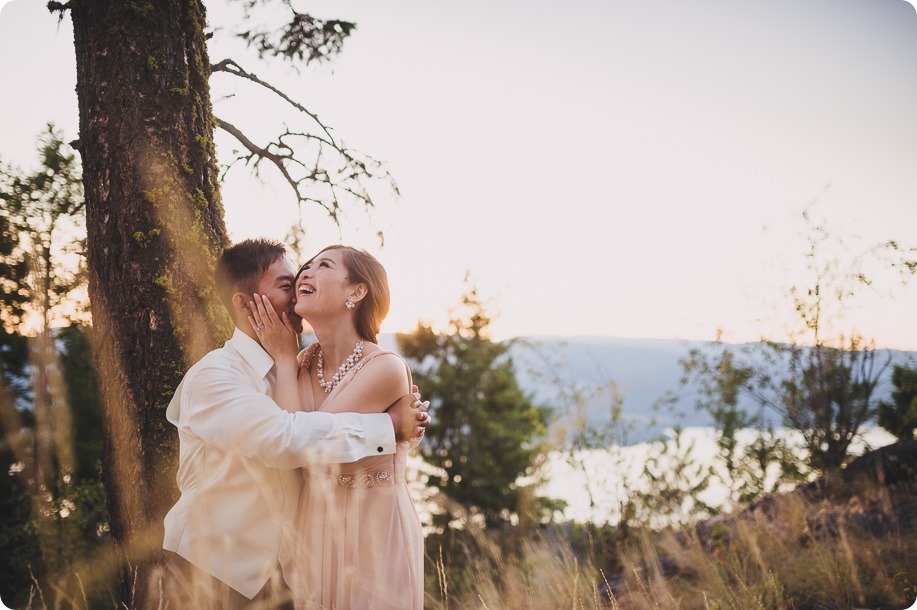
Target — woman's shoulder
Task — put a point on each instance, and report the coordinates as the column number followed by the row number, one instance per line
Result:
column 381, row 355
column 383, row 363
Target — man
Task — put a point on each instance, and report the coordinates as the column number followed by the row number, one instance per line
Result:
column 232, row 526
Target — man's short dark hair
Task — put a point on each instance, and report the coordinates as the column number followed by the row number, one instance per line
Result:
column 241, row 265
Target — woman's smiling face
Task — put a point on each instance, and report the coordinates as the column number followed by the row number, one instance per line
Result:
column 322, row 285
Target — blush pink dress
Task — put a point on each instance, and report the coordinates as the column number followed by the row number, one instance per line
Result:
column 358, row 536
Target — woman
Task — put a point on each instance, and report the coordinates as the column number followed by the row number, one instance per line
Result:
column 359, row 541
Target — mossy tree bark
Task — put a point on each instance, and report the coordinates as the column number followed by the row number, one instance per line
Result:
column 155, row 227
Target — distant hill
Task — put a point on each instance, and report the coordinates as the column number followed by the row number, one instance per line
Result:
column 643, row 369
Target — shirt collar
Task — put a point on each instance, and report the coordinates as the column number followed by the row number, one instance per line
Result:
column 252, row 352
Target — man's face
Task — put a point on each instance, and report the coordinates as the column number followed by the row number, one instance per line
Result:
column 277, row 285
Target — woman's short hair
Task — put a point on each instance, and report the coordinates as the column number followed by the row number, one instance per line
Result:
column 363, row 268
column 241, row 266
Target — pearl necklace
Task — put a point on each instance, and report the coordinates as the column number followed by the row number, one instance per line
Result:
column 352, row 359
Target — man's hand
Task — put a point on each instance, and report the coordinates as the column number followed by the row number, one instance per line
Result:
column 409, row 417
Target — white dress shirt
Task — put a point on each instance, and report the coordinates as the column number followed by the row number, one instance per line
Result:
column 237, row 455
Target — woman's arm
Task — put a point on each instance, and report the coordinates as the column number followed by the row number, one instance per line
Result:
column 280, row 341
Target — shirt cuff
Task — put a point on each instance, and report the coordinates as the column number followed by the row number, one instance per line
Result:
column 380, row 434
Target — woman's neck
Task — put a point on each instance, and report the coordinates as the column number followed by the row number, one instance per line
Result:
column 337, row 344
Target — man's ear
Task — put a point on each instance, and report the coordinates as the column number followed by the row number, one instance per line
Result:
column 359, row 292
column 240, row 307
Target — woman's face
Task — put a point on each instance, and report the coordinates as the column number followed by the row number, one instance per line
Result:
column 322, row 286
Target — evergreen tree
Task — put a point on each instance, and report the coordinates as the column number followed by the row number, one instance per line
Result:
column 83, row 397
column 44, row 211
column 486, row 428
column 13, row 270
column 899, row 416
column 51, row 422
column 19, row 548
column 18, row 543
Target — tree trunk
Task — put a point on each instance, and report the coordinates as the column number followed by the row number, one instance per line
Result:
column 154, row 229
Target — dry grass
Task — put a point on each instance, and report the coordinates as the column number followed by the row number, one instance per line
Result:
column 791, row 553
column 798, row 556
column 541, row 575
column 763, row 563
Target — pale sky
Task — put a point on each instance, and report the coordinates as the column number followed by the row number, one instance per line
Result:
column 600, row 168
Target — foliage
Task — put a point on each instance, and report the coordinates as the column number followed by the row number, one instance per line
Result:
column 14, row 295
column 820, row 382
column 18, row 539
column 14, row 357
column 43, row 235
column 793, row 551
column 301, row 38
column 748, row 469
column 899, row 416
column 675, row 482
column 575, row 435
column 853, row 550
column 828, row 394
column 486, row 428
column 54, row 520
column 19, row 548
column 75, row 345
column 829, row 391
column 51, row 395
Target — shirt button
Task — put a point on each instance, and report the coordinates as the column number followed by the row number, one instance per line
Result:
column 379, row 449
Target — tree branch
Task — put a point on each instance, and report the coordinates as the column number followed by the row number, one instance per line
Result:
column 317, row 166
column 259, row 154
column 346, row 179
column 231, row 67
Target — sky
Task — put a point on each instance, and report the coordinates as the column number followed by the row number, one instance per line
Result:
column 624, row 169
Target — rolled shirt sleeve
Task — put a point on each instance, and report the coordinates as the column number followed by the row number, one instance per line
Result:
column 221, row 407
